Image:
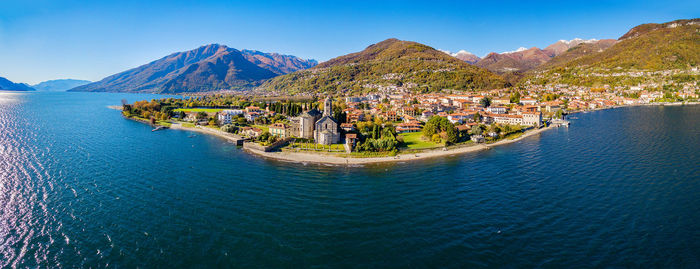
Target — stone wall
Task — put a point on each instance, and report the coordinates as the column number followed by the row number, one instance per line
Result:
column 273, row 146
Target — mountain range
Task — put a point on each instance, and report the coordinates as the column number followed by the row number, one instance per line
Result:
column 59, row 84
column 671, row 45
column 207, row 68
column 524, row 59
column 391, row 62
column 648, row 47
column 464, row 56
column 7, row 85
column 277, row 63
column 406, row 64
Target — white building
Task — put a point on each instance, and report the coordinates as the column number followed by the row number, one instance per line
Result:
column 251, row 116
column 508, row 119
column 528, row 101
column 459, row 117
column 226, row 115
column 496, row 109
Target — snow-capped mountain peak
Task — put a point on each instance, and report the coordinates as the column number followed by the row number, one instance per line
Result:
column 514, row 51
column 578, row 41
column 463, row 55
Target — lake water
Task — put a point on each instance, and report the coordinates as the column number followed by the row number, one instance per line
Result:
column 82, row 187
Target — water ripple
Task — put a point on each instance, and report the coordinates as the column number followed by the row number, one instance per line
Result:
column 617, row 189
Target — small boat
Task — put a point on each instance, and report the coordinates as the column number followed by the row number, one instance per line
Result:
column 159, row 128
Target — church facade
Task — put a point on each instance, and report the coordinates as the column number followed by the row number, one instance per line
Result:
column 326, row 128
column 321, row 127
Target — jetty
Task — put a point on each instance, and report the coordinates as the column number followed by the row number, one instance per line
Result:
column 560, row 123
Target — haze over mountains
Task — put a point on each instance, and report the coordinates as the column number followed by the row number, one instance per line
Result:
column 406, row 64
column 7, row 85
column 59, row 84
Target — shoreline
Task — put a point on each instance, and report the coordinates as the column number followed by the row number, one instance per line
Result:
column 330, row 159
column 177, row 126
column 229, row 137
column 316, row 158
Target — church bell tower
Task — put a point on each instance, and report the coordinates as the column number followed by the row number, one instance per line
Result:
column 328, row 107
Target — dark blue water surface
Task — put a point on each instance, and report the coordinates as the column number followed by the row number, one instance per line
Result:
column 82, row 187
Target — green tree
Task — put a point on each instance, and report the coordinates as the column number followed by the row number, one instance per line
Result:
column 485, row 102
column 515, row 97
column 229, row 128
column 559, row 114
column 436, row 138
column 429, row 130
column 476, row 130
column 452, row 135
column 494, row 128
column 375, row 132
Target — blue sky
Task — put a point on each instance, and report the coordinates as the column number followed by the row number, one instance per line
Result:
column 42, row 39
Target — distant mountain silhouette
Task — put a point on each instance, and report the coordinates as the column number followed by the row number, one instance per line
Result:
column 277, row 63
column 207, row 68
column 7, row 85
column 59, row 84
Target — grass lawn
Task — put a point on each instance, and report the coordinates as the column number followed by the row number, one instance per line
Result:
column 164, row 123
column 208, row 110
column 414, row 141
column 334, row 147
column 514, row 135
column 212, row 127
column 265, row 128
column 187, row 124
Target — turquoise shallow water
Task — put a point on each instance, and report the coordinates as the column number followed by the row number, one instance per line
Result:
column 82, row 187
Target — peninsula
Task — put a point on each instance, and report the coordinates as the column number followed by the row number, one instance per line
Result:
column 401, row 100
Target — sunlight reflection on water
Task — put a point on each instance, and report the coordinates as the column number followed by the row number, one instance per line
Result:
column 10, row 97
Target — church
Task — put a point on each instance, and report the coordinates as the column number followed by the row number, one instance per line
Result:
column 323, row 128
column 326, row 128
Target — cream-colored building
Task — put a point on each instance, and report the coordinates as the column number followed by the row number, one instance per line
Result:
column 532, row 118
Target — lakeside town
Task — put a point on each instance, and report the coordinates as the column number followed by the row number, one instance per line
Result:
column 393, row 120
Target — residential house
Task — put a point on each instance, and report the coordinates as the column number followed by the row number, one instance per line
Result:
column 406, row 127
column 348, row 127
column 251, row 131
column 497, row 109
column 251, row 116
column 225, row 116
column 501, row 101
column 280, row 129
column 460, row 117
column 528, row 101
